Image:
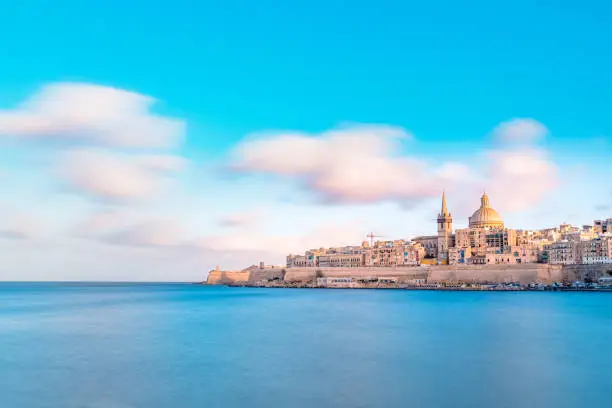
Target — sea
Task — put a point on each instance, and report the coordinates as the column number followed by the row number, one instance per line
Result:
column 86, row 345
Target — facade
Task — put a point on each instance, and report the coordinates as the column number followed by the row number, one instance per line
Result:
column 394, row 253
column 562, row 253
column 445, row 230
column 341, row 260
column 603, row 226
column 381, row 254
column 335, row 282
column 459, row 255
column 486, row 241
column 430, row 243
column 596, row 251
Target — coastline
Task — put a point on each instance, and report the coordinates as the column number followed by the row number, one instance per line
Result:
column 493, row 288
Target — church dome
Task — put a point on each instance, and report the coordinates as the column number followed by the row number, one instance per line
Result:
column 486, row 216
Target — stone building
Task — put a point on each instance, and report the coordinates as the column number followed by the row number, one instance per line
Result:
column 430, row 243
column 485, row 241
column 562, row 252
column 445, row 230
column 341, row 260
column 603, row 226
column 596, row 251
column 394, row 253
column 486, row 217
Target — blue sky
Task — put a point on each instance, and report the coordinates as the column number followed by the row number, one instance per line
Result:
column 448, row 74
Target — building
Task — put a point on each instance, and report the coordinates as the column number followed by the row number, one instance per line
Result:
column 309, row 259
column 445, row 230
column 562, row 253
column 394, row 253
column 603, row 226
column 485, row 241
column 486, row 216
column 596, row 251
column 335, row 282
column 430, row 243
column 342, row 259
column 459, row 255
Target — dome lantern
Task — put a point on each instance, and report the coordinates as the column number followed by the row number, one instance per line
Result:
column 486, row 216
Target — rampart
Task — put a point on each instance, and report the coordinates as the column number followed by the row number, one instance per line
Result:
column 403, row 274
column 586, row 272
column 217, row 277
column 524, row 274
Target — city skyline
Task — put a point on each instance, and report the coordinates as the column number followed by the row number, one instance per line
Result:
column 485, row 241
column 178, row 140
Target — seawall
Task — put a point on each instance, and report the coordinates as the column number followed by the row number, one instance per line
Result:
column 216, row 277
column 525, row 273
column 522, row 273
column 586, row 272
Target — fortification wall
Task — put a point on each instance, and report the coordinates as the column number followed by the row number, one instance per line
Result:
column 227, row 277
column 403, row 274
column 266, row 274
column 525, row 273
column 586, row 272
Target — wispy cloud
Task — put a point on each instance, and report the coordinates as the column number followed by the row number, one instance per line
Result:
column 19, row 226
column 520, row 130
column 355, row 164
column 352, row 165
column 78, row 112
column 242, row 219
column 117, row 176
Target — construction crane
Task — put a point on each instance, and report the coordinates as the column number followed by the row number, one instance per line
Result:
column 372, row 236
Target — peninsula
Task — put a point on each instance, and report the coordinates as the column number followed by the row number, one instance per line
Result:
column 486, row 254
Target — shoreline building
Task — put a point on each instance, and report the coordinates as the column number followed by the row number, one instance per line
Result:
column 445, row 231
column 486, row 241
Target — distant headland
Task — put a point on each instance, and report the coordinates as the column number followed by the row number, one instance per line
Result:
column 483, row 256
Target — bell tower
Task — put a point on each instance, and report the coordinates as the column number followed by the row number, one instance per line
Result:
column 445, row 230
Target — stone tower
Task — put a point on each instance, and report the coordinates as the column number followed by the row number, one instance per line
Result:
column 445, row 230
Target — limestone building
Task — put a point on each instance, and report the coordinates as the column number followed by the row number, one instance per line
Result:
column 445, row 230
column 485, row 241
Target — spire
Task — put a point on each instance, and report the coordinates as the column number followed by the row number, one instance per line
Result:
column 484, row 201
column 444, row 208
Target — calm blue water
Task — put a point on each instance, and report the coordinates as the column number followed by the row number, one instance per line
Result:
column 151, row 346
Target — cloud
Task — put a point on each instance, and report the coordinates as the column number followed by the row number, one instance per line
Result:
column 78, row 112
column 362, row 165
column 19, row 226
column 520, row 178
column 243, row 219
column 325, row 233
column 357, row 163
column 146, row 234
column 100, row 222
column 116, row 227
column 520, row 130
column 117, row 176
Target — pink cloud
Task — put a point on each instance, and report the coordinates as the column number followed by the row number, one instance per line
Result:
column 94, row 114
column 117, row 176
column 520, row 130
column 358, row 163
column 353, row 165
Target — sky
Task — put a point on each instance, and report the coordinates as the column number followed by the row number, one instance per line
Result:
column 152, row 141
